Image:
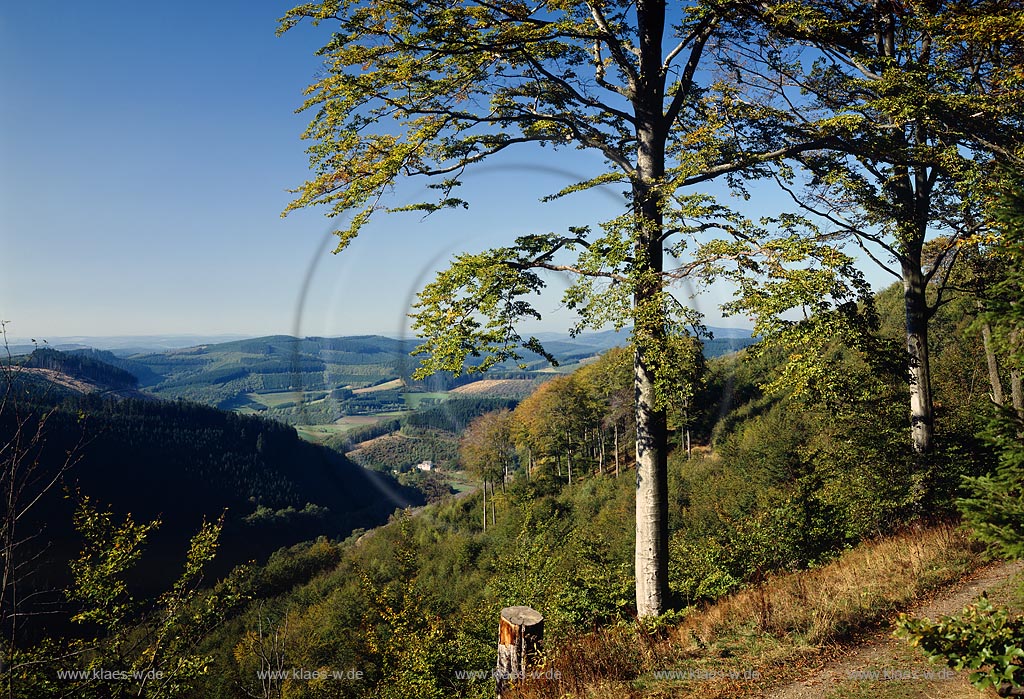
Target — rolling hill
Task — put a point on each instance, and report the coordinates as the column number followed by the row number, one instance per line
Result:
column 322, row 381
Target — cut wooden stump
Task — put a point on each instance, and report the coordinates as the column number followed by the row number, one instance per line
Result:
column 520, row 632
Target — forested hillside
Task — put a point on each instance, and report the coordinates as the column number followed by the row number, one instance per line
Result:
column 181, row 463
column 430, row 433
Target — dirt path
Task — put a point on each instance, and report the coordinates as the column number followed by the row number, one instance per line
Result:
column 854, row 671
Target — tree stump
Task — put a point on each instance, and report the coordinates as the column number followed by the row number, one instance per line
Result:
column 520, row 631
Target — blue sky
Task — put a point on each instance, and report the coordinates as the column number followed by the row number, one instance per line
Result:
column 146, row 151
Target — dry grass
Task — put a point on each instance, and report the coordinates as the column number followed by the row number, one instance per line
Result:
column 858, row 589
column 772, row 629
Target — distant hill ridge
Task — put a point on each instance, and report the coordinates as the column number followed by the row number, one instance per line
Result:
column 317, row 380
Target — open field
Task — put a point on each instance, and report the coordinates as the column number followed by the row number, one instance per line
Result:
column 413, row 400
column 495, row 387
column 388, row 386
column 319, row 433
column 278, row 398
column 350, row 421
column 460, row 481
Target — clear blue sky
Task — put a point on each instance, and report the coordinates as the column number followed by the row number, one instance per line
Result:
column 145, row 156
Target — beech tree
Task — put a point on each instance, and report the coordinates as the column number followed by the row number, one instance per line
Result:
column 420, row 88
column 918, row 98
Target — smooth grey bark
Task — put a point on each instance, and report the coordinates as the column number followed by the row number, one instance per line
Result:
column 922, row 418
column 651, row 556
column 993, row 366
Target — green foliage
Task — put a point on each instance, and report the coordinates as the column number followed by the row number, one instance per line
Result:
column 565, row 572
column 790, row 271
column 489, row 285
column 486, row 446
column 110, row 551
column 415, row 652
column 698, row 570
column 130, row 647
column 994, row 507
column 288, row 567
column 400, row 452
column 983, row 639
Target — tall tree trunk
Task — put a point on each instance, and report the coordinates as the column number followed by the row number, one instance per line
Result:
column 616, row 428
column 651, row 556
column 568, row 454
column 492, row 504
column 911, row 188
column 651, row 495
column 993, row 365
column 686, row 421
column 485, row 504
column 922, row 417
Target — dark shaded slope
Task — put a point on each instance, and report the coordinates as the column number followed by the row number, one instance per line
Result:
column 183, row 463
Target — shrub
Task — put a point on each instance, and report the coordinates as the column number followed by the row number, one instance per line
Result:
column 983, row 639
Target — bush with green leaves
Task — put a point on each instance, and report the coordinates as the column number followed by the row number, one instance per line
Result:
column 984, row 639
column 698, row 570
column 127, row 646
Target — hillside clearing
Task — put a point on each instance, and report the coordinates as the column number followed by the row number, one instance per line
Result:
column 497, row 387
column 387, row 386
